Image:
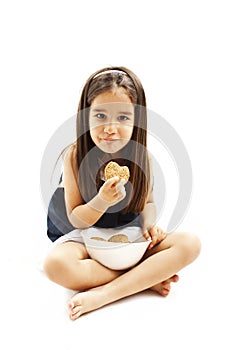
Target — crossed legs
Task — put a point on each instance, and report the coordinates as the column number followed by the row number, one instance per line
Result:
column 69, row 265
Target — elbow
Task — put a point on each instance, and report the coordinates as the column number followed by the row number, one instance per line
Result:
column 77, row 222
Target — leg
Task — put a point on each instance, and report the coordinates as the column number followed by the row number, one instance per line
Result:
column 166, row 259
column 163, row 288
column 69, row 265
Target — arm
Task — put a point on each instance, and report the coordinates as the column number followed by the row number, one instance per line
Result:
column 83, row 215
column 148, row 217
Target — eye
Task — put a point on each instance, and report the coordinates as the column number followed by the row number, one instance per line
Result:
column 123, row 118
column 100, row 116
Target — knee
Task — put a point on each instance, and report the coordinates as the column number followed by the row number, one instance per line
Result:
column 53, row 266
column 63, row 270
column 190, row 246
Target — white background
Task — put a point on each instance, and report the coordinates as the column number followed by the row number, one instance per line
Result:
column 182, row 52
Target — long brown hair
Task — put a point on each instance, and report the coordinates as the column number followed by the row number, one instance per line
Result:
column 90, row 159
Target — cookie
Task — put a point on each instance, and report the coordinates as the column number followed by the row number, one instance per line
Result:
column 113, row 169
column 98, row 238
column 120, row 238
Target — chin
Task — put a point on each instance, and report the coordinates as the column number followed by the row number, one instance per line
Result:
column 110, row 148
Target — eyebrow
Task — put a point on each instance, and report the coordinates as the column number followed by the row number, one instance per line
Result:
column 99, row 110
column 126, row 113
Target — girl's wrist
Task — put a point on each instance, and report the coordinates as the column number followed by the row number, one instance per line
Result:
column 99, row 204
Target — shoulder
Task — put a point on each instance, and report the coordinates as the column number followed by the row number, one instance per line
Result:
column 69, row 157
column 70, row 169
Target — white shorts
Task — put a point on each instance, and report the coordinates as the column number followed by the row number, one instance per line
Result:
column 76, row 235
column 72, row 236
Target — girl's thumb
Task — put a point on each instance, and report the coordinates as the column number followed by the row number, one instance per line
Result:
column 146, row 234
column 112, row 181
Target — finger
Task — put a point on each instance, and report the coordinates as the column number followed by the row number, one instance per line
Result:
column 120, row 194
column 112, row 182
column 119, row 186
column 123, row 182
column 146, row 235
column 154, row 237
column 161, row 234
column 120, row 189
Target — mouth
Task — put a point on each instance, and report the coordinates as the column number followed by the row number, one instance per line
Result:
column 109, row 139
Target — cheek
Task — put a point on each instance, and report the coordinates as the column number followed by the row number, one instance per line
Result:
column 94, row 132
column 127, row 132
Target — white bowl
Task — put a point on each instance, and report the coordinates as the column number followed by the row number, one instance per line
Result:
column 116, row 256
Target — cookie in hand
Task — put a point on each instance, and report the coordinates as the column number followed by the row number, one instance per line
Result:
column 113, row 169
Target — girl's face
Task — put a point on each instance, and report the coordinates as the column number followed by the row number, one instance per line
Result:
column 111, row 120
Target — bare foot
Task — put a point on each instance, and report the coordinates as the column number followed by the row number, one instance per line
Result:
column 164, row 287
column 85, row 302
column 95, row 298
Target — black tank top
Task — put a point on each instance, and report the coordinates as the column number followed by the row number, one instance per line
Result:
column 58, row 223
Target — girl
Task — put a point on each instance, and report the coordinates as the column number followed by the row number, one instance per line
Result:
column 111, row 125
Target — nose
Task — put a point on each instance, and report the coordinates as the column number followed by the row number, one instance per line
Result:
column 110, row 128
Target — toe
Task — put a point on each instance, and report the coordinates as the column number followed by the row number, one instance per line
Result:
column 175, row 278
column 75, row 310
column 74, row 302
column 74, row 316
column 75, row 306
column 167, row 288
column 71, row 305
column 165, row 292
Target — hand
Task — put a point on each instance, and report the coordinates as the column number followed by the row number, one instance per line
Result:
column 113, row 191
column 154, row 233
